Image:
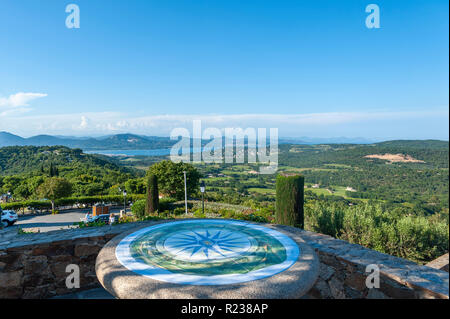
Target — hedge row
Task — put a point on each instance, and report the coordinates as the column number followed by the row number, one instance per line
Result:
column 87, row 200
column 139, row 207
column 214, row 205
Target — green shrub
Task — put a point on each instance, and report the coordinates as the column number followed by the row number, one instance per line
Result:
column 138, row 208
column 179, row 211
column 90, row 224
column 326, row 219
column 20, row 231
column 166, row 203
column 126, row 219
column 289, row 200
column 416, row 238
column 199, row 214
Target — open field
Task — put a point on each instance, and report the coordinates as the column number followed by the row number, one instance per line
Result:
column 262, row 190
column 395, row 158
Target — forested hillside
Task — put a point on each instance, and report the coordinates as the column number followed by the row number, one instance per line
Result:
column 396, row 171
column 23, row 169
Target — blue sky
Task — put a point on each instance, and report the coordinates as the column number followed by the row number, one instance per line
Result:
column 309, row 68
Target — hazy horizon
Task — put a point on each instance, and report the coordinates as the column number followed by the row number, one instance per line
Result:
column 361, row 140
column 147, row 67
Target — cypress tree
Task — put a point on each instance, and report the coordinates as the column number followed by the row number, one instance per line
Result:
column 289, row 200
column 51, row 170
column 152, row 203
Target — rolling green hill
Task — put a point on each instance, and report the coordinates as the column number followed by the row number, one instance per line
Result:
column 406, row 174
column 24, row 168
column 421, row 144
column 27, row 159
column 416, row 173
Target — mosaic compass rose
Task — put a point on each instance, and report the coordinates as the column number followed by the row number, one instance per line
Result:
column 206, row 244
column 207, row 252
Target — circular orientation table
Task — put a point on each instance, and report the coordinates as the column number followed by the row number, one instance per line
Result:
column 208, row 258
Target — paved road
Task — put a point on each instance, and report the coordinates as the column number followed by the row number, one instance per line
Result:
column 49, row 222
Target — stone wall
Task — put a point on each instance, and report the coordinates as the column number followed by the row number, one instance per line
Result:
column 343, row 273
column 34, row 266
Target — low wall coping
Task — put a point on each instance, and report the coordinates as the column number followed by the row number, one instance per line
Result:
column 440, row 263
column 11, row 239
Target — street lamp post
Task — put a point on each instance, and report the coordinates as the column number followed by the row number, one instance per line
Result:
column 185, row 193
column 124, row 201
column 202, row 190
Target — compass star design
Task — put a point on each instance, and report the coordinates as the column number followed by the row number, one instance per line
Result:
column 202, row 245
column 207, row 252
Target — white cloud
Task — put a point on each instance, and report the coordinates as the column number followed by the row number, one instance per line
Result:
column 20, row 99
column 84, row 123
column 315, row 124
column 17, row 104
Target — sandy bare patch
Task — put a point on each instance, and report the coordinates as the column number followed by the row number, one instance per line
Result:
column 395, row 158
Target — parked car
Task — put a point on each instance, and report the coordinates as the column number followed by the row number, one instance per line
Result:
column 104, row 218
column 8, row 217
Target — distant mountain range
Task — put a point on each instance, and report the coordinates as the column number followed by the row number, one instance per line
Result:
column 132, row 141
column 318, row 140
column 119, row 141
column 140, row 142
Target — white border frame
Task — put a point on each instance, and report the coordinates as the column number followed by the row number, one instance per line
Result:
column 123, row 255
